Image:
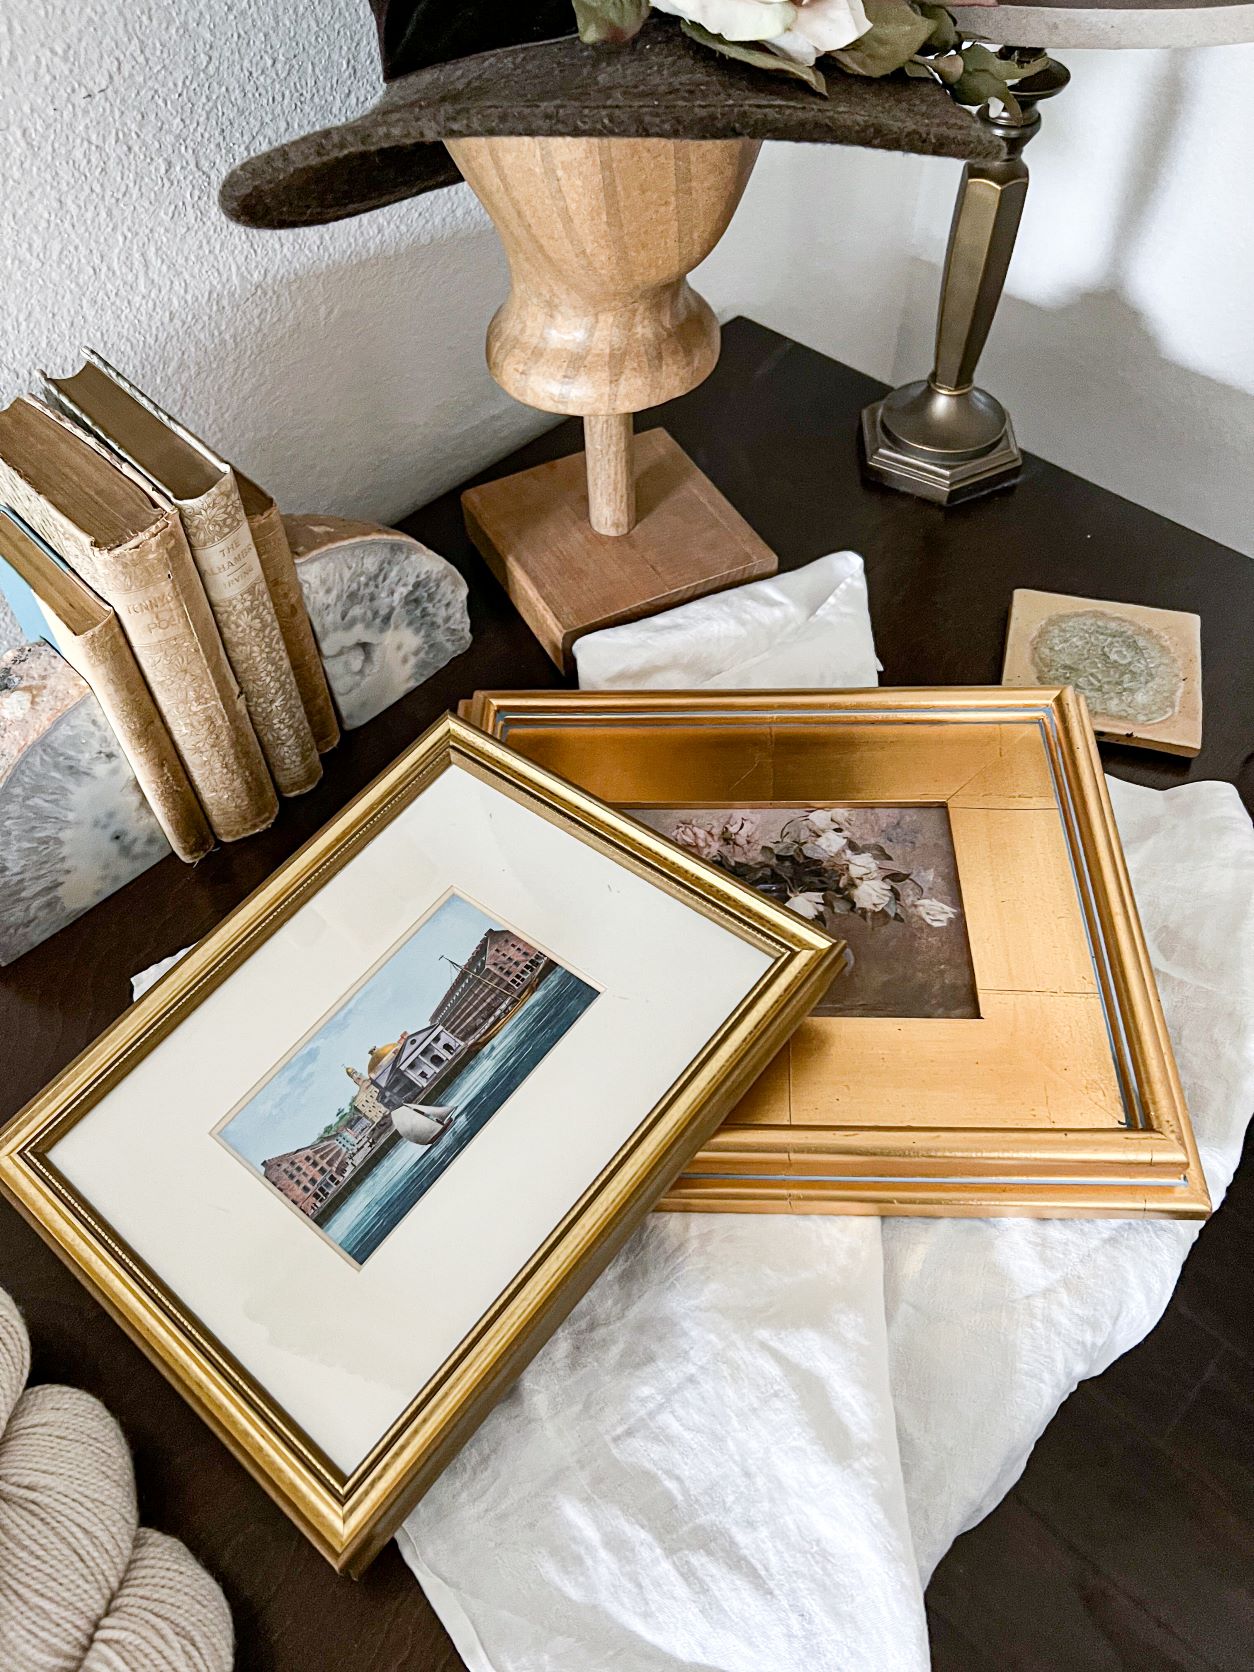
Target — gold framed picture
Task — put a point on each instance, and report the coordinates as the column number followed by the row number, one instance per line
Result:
column 346, row 1166
column 997, row 1045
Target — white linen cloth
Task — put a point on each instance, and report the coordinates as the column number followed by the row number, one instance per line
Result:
column 808, row 628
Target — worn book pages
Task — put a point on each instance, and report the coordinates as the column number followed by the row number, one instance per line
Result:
column 134, row 553
column 180, row 469
column 279, row 568
column 87, row 634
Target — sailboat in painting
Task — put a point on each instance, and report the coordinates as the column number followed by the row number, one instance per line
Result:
column 423, row 1123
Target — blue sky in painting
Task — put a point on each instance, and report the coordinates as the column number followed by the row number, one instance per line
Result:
column 307, row 1092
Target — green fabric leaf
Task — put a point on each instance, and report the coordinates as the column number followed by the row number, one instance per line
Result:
column 985, row 61
column 944, row 36
column 897, row 32
column 610, row 20
column 987, row 76
column 947, row 67
column 977, row 87
column 760, row 56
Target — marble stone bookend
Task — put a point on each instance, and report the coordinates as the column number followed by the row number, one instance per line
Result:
column 74, row 824
column 387, row 612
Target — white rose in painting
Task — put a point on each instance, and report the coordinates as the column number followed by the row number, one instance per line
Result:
column 861, row 867
column 872, row 895
column 935, row 913
column 736, row 20
column 822, row 818
column 807, row 905
column 832, row 844
column 820, row 26
column 697, row 839
column 741, row 838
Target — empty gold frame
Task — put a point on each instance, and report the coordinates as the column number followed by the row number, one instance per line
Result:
column 59, row 1175
column 1061, row 1098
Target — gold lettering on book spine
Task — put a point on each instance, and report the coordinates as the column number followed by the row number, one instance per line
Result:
column 230, row 571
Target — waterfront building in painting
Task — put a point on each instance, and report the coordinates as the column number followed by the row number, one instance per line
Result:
column 359, row 1126
column 404, row 1070
column 502, row 966
column 500, row 970
column 309, row 1177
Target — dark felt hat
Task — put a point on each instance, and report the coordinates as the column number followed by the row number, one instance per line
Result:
column 467, row 69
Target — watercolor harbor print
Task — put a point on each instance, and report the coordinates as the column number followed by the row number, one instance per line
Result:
column 372, row 1106
column 883, row 879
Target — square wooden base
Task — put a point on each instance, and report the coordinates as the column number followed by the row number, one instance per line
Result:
column 566, row 580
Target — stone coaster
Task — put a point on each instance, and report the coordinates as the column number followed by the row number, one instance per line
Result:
column 1140, row 669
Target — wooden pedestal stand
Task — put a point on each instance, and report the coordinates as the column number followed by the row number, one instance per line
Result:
column 601, row 322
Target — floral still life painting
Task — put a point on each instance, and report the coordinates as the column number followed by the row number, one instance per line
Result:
column 883, row 879
column 371, row 1107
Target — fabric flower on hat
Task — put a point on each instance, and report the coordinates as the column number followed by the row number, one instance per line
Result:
column 735, row 20
column 860, row 37
column 821, row 26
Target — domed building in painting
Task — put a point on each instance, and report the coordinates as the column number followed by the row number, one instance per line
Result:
column 367, row 1102
column 381, row 1053
column 404, row 1070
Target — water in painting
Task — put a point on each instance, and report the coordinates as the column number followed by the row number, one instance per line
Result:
column 377, row 1101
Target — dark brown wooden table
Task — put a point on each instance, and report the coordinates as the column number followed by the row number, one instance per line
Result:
column 1130, row 1540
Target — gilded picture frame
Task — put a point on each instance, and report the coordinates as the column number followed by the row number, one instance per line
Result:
column 349, row 1513
column 1061, row 1098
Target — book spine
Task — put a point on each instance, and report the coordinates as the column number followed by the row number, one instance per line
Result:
column 153, row 588
column 279, row 568
column 235, row 585
column 103, row 659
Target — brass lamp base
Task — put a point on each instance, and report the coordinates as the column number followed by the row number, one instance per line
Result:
column 943, row 439
column 940, row 445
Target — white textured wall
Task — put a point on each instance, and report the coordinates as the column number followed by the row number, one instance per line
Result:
column 344, row 365
column 1124, row 346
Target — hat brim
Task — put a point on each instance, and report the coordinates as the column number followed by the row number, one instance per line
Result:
column 661, row 86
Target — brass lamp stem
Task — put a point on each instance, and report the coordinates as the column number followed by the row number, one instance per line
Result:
column 981, row 242
column 943, row 438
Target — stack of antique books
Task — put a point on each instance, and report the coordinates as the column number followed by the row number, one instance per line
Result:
column 167, row 582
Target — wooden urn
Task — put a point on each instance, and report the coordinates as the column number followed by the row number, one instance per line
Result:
column 601, row 322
